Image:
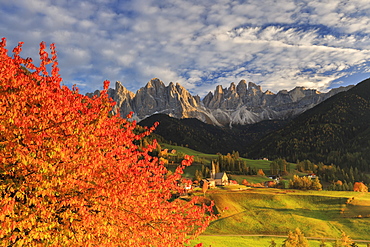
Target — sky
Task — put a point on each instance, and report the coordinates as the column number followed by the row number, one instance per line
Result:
column 278, row 44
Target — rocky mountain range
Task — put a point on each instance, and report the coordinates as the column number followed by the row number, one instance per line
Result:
column 244, row 103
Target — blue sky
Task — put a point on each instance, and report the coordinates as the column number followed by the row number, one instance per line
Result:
column 278, row 44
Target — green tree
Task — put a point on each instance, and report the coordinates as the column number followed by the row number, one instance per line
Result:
column 274, row 168
column 198, row 175
column 235, row 155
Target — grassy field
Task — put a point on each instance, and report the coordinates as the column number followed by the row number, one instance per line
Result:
column 188, row 151
column 239, row 241
column 319, row 214
column 265, row 211
column 253, row 241
column 259, row 164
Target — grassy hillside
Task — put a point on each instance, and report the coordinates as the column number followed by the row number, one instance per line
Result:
column 207, row 158
column 259, row 164
column 189, row 151
column 256, row 241
column 272, row 211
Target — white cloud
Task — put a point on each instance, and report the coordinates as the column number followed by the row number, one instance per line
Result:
column 278, row 44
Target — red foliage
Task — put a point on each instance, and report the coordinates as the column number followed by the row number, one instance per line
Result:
column 270, row 184
column 70, row 173
column 245, row 182
column 360, row 187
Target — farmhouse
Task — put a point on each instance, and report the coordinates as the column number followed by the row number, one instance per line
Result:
column 311, row 175
column 274, row 177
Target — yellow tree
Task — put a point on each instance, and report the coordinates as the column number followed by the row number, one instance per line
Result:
column 346, row 240
column 296, row 239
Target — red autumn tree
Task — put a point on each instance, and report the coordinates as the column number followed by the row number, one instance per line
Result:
column 245, row 182
column 260, row 172
column 204, row 187
column 360, row 187
column 70, row 172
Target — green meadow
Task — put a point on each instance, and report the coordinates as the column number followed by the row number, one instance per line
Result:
column 263, row 212
column 254, row 241
column 205, row 159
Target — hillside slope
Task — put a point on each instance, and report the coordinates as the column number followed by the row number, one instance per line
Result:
column 335, row 131
column 316, row 213
column 208, row 138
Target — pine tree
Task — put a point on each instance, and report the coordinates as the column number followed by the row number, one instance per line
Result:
column 198, row 175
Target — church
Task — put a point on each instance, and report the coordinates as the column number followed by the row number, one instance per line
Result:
column 217, row 179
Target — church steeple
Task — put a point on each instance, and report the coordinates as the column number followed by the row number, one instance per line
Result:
column 213, row 171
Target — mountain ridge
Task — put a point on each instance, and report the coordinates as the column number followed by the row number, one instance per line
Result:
column 236, row 105
column 335, row 131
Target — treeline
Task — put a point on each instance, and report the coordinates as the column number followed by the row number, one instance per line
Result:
column 339, row 178
column 279, row 167
column 233, row 164
column 230, row 163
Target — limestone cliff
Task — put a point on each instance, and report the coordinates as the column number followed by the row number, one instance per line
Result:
column 238, row 104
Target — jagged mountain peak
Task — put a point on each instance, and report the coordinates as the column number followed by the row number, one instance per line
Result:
column 232, row 87
column 155, row 83
column 219, row 90
column 252, row 85
column 268, row 92
column 242, row 82
column 122, row 89
column 243, row 103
